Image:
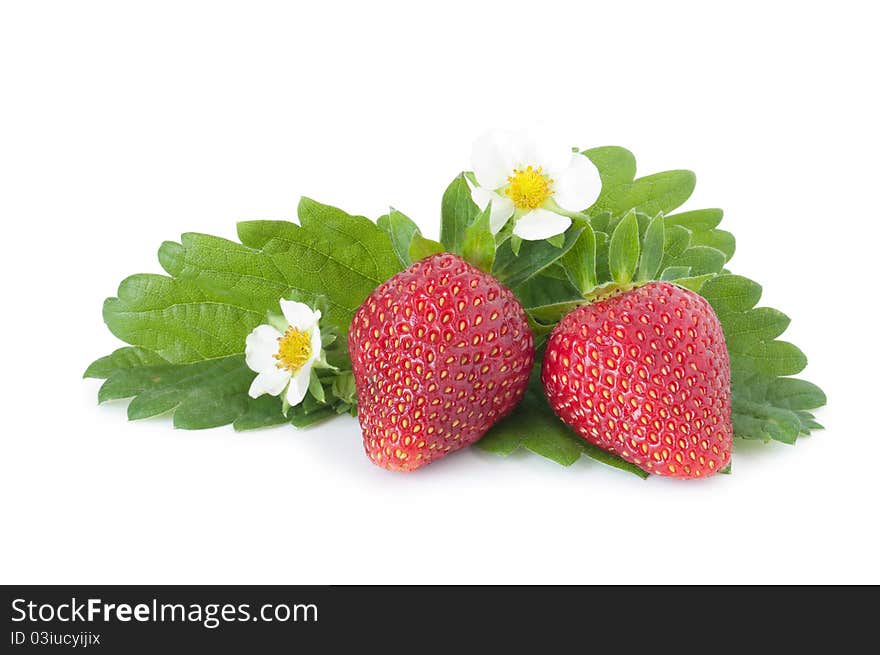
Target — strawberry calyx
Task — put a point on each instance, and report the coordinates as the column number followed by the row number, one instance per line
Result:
column 606, row 291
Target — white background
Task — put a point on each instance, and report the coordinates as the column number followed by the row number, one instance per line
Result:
column 124, row 124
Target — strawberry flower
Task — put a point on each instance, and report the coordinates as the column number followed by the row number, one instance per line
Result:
column 533, row 179
column 284, row 353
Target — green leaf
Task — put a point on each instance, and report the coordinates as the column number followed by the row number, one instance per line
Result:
column 120, row 360
column 771, row 358
column 420, row 247
column 579, row 263
column 700, row 259
column 188, row 331
column 203, row 394
column 478, row 246
column 533, row 257
column 652, row 249
column 178, row 320
column 601, row 222
column 401, row 229
column 610, row 459
column 224, row 271
column 340, row 256
column 258, row 234
column 221, row 289
column 262, row 412
column 792, row 393
column 534, row 426
column 504, row 438
column 766, row 405
column 732, row 293
column 661, row 192
column 557, row 445
column 623, row 251
column 300, row 418
column 696, row 221
column 753, row 420
column 762, row 323
column 617, row 168
column 717, row 239
column 547, row 299
column 457, row 211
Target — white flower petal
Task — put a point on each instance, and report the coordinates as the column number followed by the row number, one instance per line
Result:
column 502, row 206
column 522, row 150
column 316, row 347
column 271, row 381
column 550, row 150
column 492, row 158
column 481, row 196
column 540, row 224
column 260, row 346
column 502, row 210
column 299, row 315
column 299, row 384
column 578, row 186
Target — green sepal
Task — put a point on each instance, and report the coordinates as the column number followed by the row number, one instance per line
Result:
column 277, row 321
column 695, row 282
column 401, row 229
column 672, row 273
column 457, row 211
column 343, row 388
column 557, row 240
column 478, row 244
column 623, row 251
column 579, row 263
column 420, row 247
column 315, row 387
column 515, row 244
column 652, row 249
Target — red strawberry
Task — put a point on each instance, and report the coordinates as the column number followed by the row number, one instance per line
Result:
column 440, row 352
column 645, row 375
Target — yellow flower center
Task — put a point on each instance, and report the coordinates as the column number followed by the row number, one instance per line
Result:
column 529, row 187
column 294, row 350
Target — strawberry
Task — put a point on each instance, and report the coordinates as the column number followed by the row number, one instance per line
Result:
column 645, row 375
column 440, row 352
